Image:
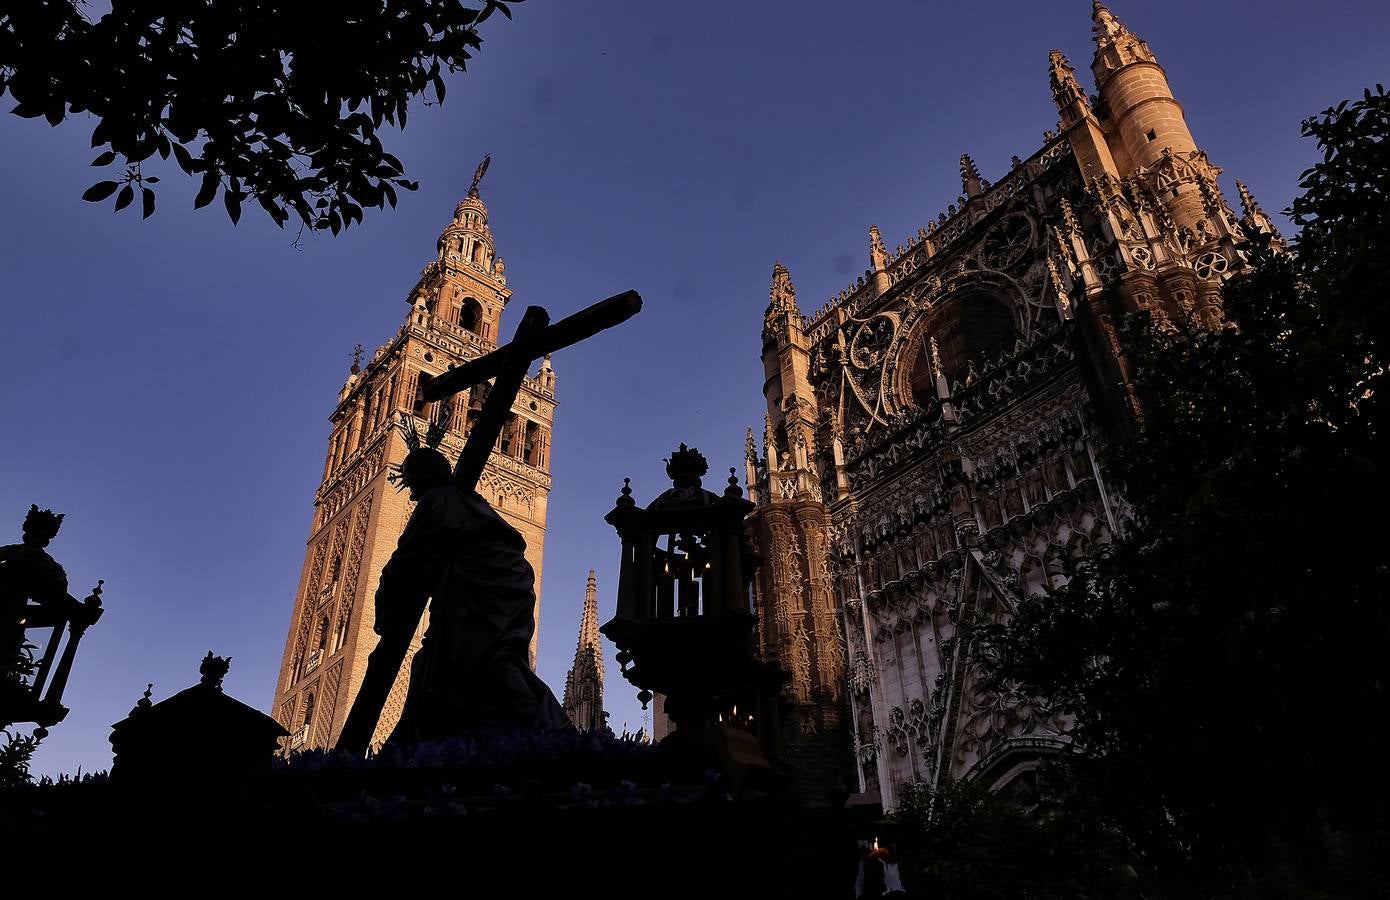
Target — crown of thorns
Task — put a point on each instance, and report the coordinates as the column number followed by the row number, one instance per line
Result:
column 410, row 432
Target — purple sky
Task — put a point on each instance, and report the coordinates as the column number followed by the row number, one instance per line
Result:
column 168, row 382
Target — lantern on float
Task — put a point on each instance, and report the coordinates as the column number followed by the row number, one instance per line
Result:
column 685, row 626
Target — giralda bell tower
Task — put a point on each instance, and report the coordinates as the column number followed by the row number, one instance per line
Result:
column 454, row 313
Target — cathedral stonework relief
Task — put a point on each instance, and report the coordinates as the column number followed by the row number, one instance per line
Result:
column 453, row 315
column 936, row 434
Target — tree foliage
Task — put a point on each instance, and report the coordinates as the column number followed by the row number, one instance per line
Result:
column 964, row 843
column 280, row 103
column 1227, row 661
column 16, row 749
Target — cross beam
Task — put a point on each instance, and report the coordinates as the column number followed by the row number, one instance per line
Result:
column 535, row 337
column 547, row 339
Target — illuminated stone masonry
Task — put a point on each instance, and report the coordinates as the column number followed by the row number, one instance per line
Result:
column 455, row 309
column 935, row 444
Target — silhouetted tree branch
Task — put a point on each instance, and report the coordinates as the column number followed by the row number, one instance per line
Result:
column 280, row 103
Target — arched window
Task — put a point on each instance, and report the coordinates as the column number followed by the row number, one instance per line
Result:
column 323, row 633
column 340, row 633
column 506, row 441
column 418, row 405
column 532, row 447
column 458, row 414
column 330, row 578
column 976, row 327
column 477, row 395
column 479, row 252
column 471, row 315
column 309, row 701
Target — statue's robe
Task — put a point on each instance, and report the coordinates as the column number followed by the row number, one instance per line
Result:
column 472, row 670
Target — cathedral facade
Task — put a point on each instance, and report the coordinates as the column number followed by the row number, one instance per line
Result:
column 454, row 312
column 935, row 444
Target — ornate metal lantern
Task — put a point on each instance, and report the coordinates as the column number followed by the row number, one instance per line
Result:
column 685, row 625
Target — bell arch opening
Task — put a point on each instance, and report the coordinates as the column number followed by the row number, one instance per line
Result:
column 471, row 315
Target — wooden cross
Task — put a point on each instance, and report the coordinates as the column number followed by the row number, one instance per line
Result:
column 535, row 337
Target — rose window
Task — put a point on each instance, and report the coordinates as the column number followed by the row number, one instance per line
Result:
column 871, row 342
column 1211, row 263
column 1007, row 242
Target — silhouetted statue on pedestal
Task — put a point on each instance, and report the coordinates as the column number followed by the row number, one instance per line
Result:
column 28, row 575
column 34, row 596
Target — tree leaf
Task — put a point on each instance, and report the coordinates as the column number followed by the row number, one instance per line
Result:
column 233, row 203
column 126, row 195
column 268, row 204
column 208, row 191
column 148, row 198
column 183, row 158
column 105, row 159
column 100, row 191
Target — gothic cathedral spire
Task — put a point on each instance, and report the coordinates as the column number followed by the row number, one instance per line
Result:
column 1066, row 90
column 781, row 297
column 584, row 683
column 1134, row 90
column 878, row 261
column 800, row 629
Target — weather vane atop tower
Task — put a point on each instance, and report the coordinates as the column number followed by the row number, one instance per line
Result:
column 478, row 175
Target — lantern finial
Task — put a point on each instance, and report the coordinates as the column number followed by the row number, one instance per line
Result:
column 214, row 669
column 686, row 466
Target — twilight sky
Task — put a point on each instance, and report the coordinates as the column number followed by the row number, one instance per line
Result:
column 168, row 382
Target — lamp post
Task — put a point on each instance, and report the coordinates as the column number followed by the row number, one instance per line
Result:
column 685, row 626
